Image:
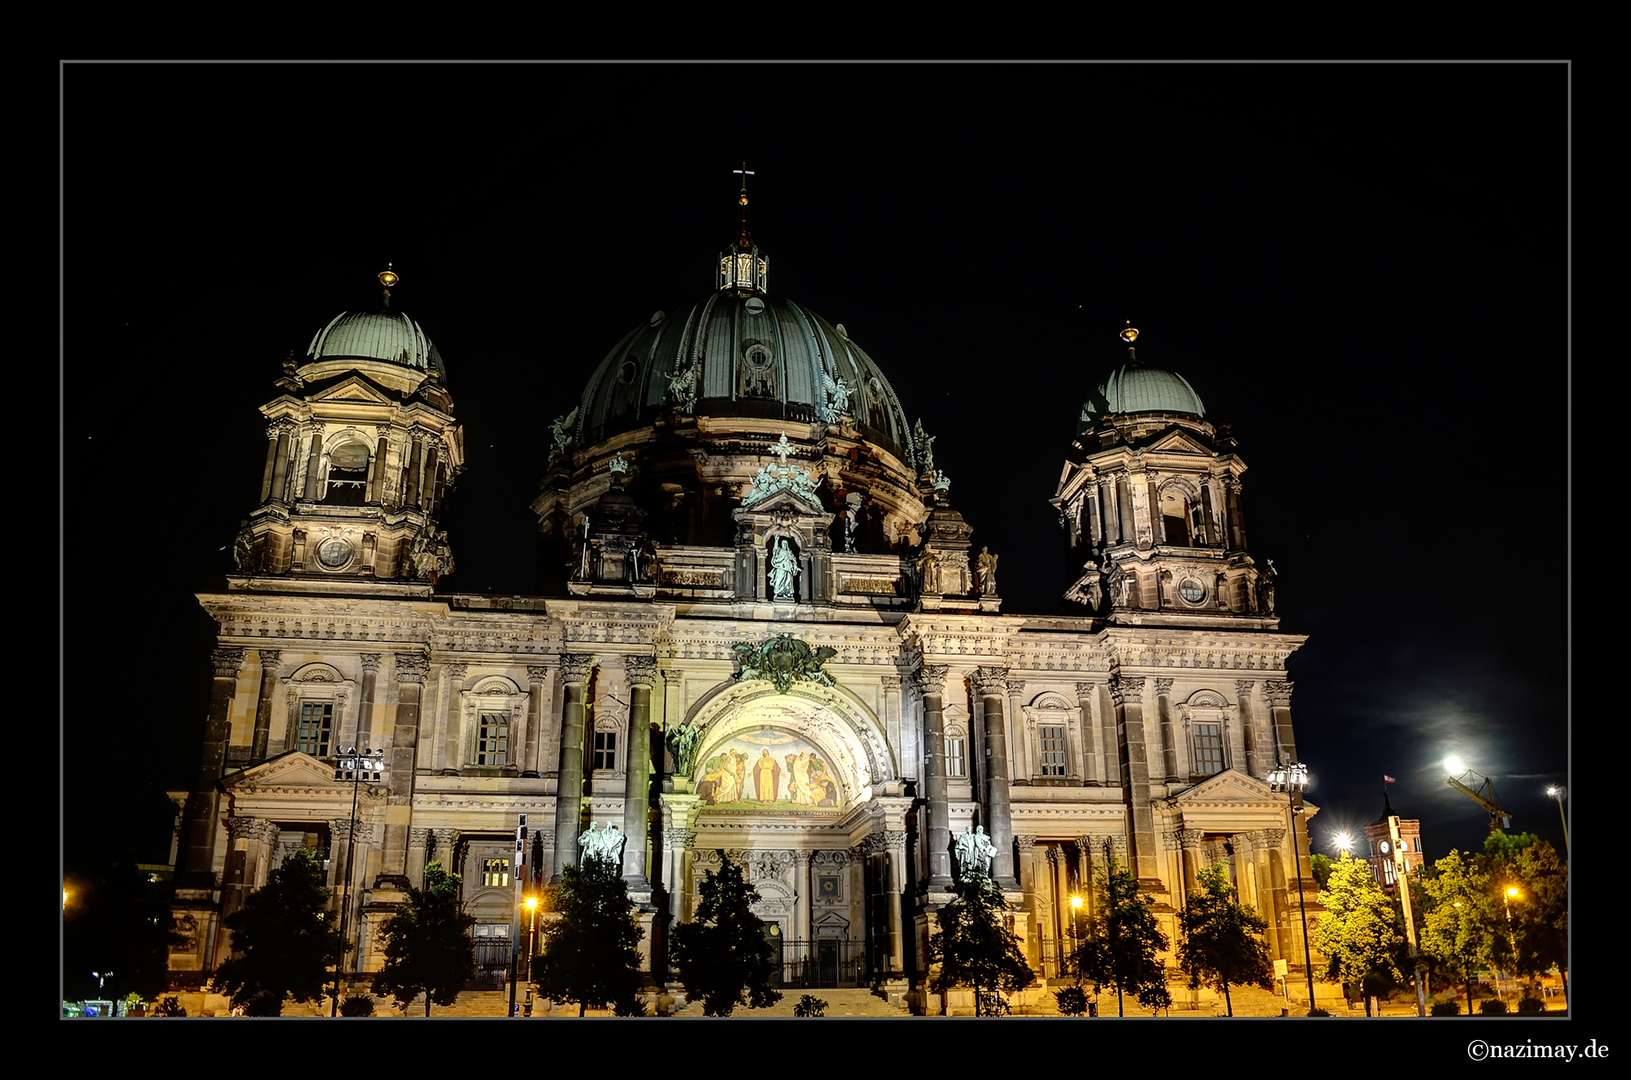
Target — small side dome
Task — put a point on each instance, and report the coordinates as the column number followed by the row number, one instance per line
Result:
column 376, row 335
column 1139, row 388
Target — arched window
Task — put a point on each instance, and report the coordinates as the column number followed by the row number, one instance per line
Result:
column 347, row 480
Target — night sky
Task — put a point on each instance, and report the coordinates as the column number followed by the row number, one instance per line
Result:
column 1362, row 268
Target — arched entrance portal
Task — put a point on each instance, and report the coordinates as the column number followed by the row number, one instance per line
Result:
column 787, row 785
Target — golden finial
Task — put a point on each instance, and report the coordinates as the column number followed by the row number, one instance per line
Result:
column 1130, row 334
column 387, row 276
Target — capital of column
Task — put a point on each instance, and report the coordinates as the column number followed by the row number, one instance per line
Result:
column 370, row 662
column 931, row 679
column 537, row 674
column 1278, row 693
column 1267, row 839
column 252, row 828
column 1084, row 690
column 891, row 682
column 270, row 658
column 1244, row 687
column 227, row 661
column 991, row 681
column 1016, row 686
column 411, row 667
column 1025, row 843
column 575, row 667
column 642, row 671
column 1163, row 687
column 1128, row 690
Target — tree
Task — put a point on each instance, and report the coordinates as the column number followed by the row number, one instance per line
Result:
column 974, row 946
column 723, row 955
column 1539, row 909
column 282, row 940
column 590, row 951
column 1122, row 943
column 1223, row 939
column 1459, row 928
column 428, row 947
column 1361, row 933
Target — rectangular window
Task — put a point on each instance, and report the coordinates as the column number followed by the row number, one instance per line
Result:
column 1208, row 749
column 493, row 739
column 1051, row 750
column 605, row 757
column 495, row 872
column 956, row 757
column 316, row 725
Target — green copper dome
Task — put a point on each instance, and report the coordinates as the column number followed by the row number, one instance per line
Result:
column 736, row 353
column 1135, row 388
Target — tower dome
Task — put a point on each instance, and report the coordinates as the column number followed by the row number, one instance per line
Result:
column 376, row 335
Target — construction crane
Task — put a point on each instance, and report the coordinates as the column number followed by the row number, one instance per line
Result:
column 1481, row 790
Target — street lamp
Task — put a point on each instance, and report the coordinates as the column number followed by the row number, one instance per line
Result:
column 358, row 768
column 1557, row 791
column 1292, row 779
column 1509, row 894
column 1343, row 842
column 532, row 929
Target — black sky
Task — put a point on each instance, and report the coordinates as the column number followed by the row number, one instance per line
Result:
column 1363, row 268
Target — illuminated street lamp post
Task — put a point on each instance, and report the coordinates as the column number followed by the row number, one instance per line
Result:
column 1509, row 894
column 366, row 766
column 1292, row 779
column 1075, row 926
column 1557, row 791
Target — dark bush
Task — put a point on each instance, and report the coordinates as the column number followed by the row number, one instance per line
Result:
column 1072, row 1000
column 357, row 1005
column 1531, row 1006
column 1492, row 1007
column 810, row 1005
column 167, row 1006
column 1445, row 1008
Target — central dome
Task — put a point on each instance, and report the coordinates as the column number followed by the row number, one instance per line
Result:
column 740, row 354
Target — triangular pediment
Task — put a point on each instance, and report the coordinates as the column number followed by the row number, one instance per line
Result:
column 1177, row 440
column 1228, row 786
column 787, row 497
column 354, row 390
column 290, row 771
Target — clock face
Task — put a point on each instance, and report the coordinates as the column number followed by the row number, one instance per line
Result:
column 334, row 553
column 1385, row 847
column 1191, row 590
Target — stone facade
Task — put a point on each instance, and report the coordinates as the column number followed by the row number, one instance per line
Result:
column 772, row 640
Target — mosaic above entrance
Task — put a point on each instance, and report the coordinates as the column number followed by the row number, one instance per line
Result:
column 768, row 770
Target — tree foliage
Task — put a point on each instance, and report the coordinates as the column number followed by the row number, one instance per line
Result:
column 1122, row 944
column 428, row 947
column 1459, row 928
column 1539, row 927
column 975, row 948
column 283, row 939
column 590, row 953
column 722, row 955
column 1361, row 933
column 1222, row 938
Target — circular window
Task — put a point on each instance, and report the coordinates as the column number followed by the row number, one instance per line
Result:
column 627, row 372
column 759, row 356
column 334, row 553
column 1191, row 590
column 754, row 306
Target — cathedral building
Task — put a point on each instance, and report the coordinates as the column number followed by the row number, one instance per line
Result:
column 771, row 638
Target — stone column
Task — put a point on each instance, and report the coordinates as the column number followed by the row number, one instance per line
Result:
column 250, row 840
column 933, row 689
column 1031, row 873
column 1279, row 694
column 642, row 673
column 1128, row 694
column 803, row 896
column 410, row 481
column 1084, row 874
column 428, row 494
column 892, row 717
column 272, row 441
column 1189, row 840
column 376, row 482
column 418, row 841
column 575, row 670
column 263, row 705
column 1256, row 765
column 410, row 683
column 370, row 688
column 894, row 889
column 1111, row 756
column 1236, row 524
column 1209, row 527
column 1271, row 880
column 204, row 802
column 449, row 720
column 314, row 459
column 536, row 676
column 1169, row 741
column 280, row 461
column 1019, row 755
column 1090, row 735
column 992, row 684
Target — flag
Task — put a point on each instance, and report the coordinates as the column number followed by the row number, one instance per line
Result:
column 1386, row 779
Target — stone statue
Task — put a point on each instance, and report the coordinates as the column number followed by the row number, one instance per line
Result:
column 987, row 570
column 682, row 388
column 561, row 431
column 974, row 852
column 604, row 843
column 683, row 743
column 423, row 556
column 783, row 570
column 838, row 395
column 243, row 547
column 925, row 448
